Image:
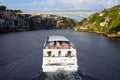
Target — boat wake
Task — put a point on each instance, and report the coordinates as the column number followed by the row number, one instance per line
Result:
column 62, row 75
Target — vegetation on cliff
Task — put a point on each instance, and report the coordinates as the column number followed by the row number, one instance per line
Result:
column 106, row 22
column 14, row 10
column 2, row 7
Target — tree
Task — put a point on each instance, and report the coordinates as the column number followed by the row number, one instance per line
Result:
column 17, row 11
column 2, row 7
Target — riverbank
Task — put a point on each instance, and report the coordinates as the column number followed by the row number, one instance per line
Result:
column 110, row 36
column 117, row 36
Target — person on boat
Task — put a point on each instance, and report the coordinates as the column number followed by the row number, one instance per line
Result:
column 53, row 45
column 64, row 45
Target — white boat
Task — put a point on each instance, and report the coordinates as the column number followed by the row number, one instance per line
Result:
column 59, row 54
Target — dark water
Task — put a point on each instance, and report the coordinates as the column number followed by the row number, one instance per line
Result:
column 21, row 54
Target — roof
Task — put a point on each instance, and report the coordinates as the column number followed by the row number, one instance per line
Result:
column 57, row 38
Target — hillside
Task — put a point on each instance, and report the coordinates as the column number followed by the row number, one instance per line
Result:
column 11, row 21
column 106, row 22
column 50, row 22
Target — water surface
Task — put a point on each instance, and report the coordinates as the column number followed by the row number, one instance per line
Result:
column 21, row 54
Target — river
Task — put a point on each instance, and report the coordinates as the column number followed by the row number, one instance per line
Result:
column 21, row 54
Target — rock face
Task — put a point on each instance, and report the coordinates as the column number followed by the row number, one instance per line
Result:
column 50, row 22
column 11, row 22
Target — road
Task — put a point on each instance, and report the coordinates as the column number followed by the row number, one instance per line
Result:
column 21, row 54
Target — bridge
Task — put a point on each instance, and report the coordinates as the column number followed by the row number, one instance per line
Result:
column 38, row 13
column 80, row 14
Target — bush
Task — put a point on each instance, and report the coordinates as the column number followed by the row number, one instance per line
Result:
column 17, row 11
column 2, row 7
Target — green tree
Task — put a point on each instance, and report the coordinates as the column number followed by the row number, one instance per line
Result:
column 17, row 11
column 2, row 7
column 115, row 25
